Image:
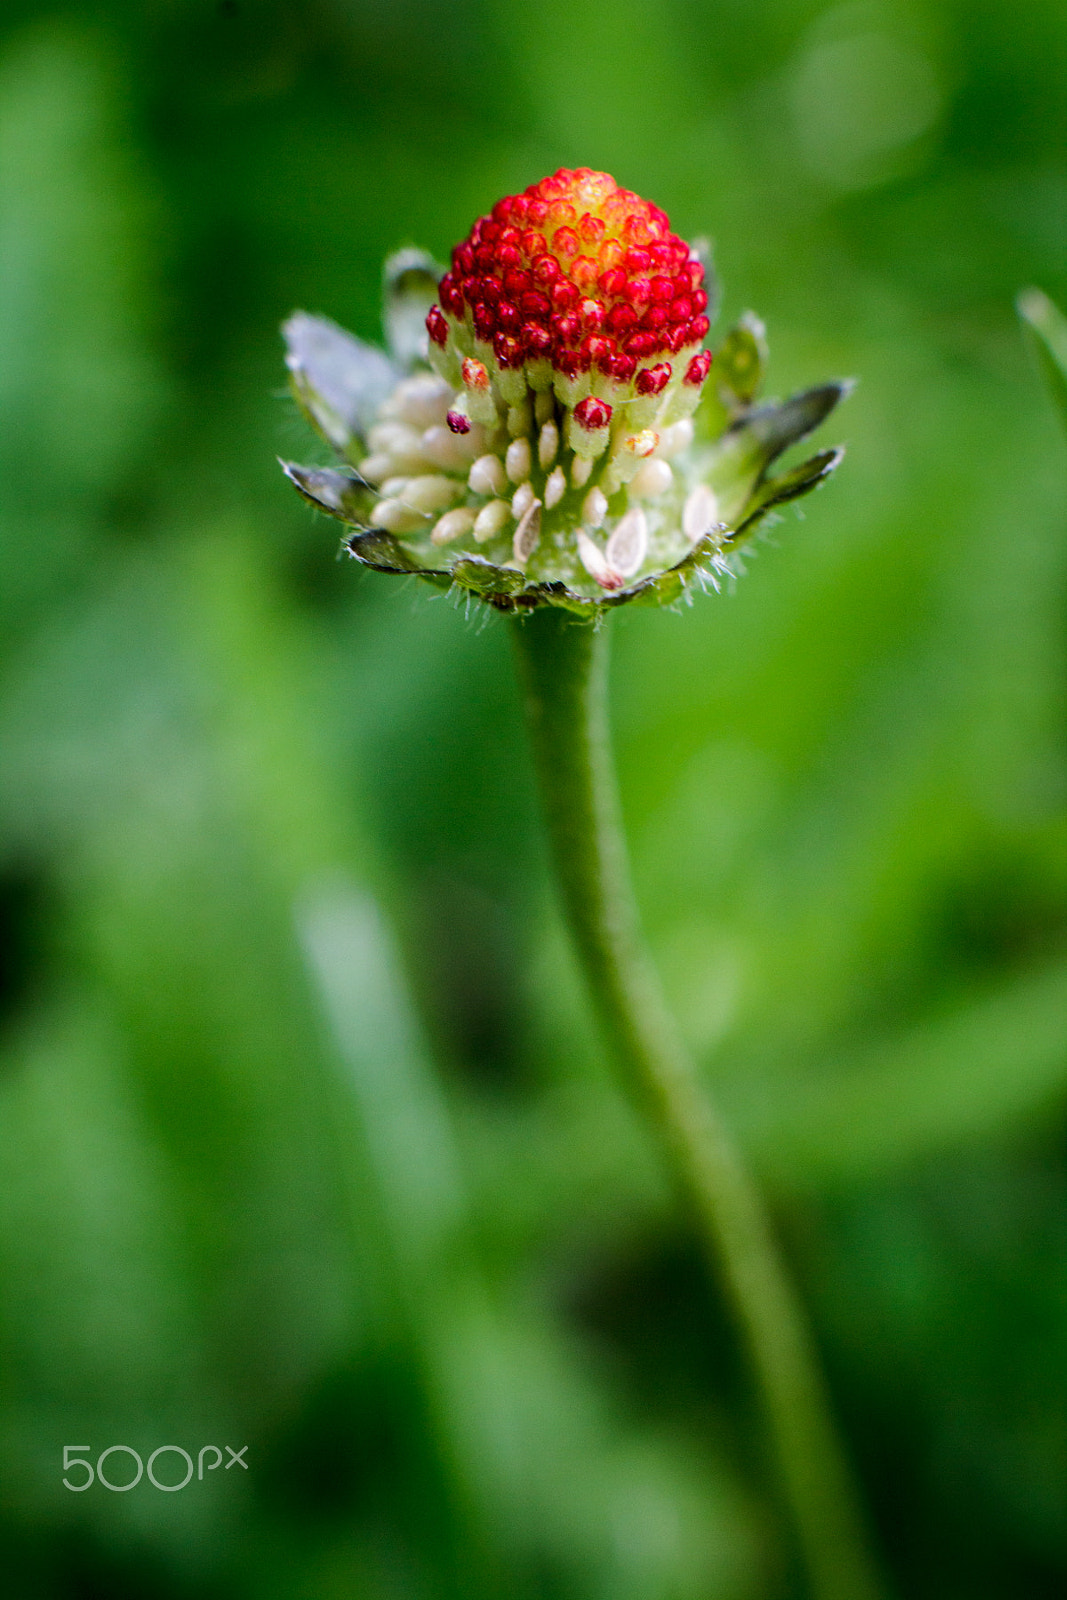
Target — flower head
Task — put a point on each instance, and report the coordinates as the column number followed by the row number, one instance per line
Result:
column 546, row 431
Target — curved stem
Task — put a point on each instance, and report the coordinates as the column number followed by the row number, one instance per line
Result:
column 563, row 669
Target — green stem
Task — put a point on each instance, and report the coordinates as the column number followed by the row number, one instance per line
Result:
column 563, row 669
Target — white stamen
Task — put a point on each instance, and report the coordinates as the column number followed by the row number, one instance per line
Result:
column 431, row 494
column 395, row 517
column 547, row 445
column 487, row 476
column 522, row 500
column 491, row 519
column 419, row 401
column 555, row 487
column 377, row 469
column 453, row 451
column 517, row 461
column 394, row 438
column 580, row 471
column 700, row 514
column 595, row 507
column 528, row 533
column 675, row 439
column 628, row 545
column 453, row 524
column 651, row 479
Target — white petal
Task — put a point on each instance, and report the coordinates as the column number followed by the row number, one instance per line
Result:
column 592, row 557
column 548, row 445
column 377, row 469
column 394, row 438
column 453, row 451
column 556, row 487
column 491, row 519
column 700, row 514
column 517, row 461
column 528, row 533
column 395, row 517
column 431, row 493
column 628, row 545
column 651, row 479
column 419, row 401
column 675, row 439
column 487, row 475
column 594, row 508
column 453, row 524
column 522, row 500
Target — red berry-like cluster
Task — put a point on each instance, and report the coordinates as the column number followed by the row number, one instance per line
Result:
column 583, row 274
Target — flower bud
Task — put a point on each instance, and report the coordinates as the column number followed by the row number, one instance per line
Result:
column 567, row 447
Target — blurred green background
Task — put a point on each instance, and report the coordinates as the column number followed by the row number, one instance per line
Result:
column 306, row 1139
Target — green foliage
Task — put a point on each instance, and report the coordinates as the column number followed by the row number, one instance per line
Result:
column 1047, row 327
column 305, row 1141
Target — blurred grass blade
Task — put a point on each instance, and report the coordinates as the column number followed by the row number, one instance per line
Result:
column 1046, row 327
column 356, row 971
column 997, row 1063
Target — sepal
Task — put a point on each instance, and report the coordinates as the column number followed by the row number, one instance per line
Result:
column 741, row 363
column 325, row 488
column 737, row 375
column 507, row 589
column 338, row 381
column 409, row 288
column 736, row 465
column 790, row 485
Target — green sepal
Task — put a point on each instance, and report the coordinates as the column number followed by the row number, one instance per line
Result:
column 339, row 494
column 338, row 381
column 790, row 485
column 667, row 587
column 508, row 589
column 380, row 550
column 736, row 464
column 409, row 288
column 763, row 434
column 487, row 578
column 740, row 363
column 737, row 374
